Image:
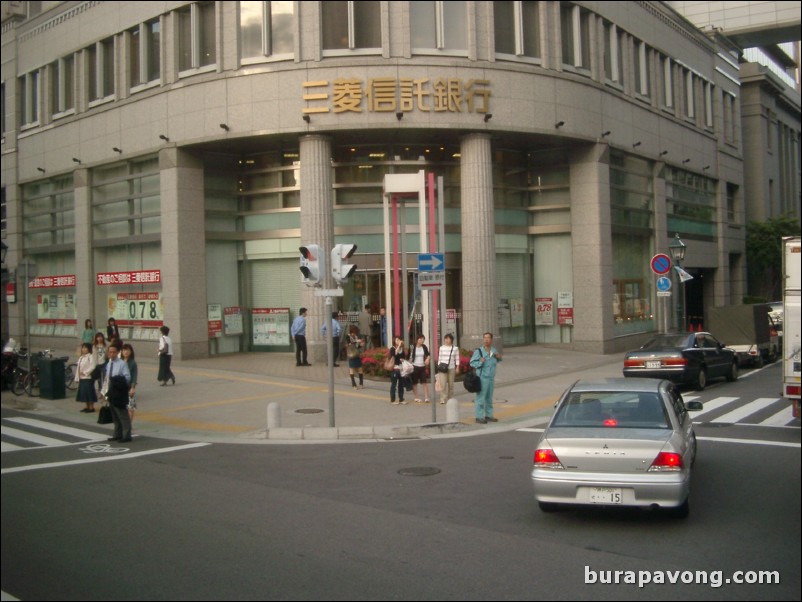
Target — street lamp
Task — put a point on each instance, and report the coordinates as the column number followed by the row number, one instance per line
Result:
column 677, row 251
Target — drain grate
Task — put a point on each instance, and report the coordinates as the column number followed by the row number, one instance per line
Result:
column 309, row 411
column 419, row 471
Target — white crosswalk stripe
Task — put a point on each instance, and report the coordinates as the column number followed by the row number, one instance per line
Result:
column 781, row 418
column 745, row 410
column 36, row 439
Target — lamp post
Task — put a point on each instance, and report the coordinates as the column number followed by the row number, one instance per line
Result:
column 677, row 251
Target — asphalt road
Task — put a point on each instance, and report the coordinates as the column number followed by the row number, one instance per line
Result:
column 359, row 521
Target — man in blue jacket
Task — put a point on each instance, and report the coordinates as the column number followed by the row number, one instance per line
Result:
column 484, row 360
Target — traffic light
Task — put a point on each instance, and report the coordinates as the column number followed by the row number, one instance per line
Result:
column 341, row 270
column 313, row 265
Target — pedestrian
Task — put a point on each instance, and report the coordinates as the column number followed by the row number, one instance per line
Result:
column 99, row 349
column 398, row 353
column 84, row 376
column 419, row 356
column 484, row 360
column 130, row 361
column 354, row 350
column 88, row 334
column 365, row 322
column 383, row 328
column 447, row 367
column 336, row 332
column 165, row 357
column 115, row 390
column 298, row 331
column 112, row 332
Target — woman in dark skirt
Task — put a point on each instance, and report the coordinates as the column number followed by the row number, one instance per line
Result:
column 86, row 384
column 165, row 356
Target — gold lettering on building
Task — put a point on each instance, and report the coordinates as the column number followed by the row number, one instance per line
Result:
column 391, row 95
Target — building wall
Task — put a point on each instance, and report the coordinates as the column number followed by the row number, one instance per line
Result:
column 236, row 108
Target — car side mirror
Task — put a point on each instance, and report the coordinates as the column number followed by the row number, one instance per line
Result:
column 693, row 406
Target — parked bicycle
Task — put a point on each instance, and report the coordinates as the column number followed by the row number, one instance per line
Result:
column 29, row 381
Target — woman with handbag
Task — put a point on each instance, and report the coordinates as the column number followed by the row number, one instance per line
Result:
column 165, row 357
column 397, row 354
column 128, row 357
column 447, row 368
column 84, row 376
column 100, row 351
column 419, row 355
column 354, row 350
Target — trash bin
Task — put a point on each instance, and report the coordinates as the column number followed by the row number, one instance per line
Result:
column 51, row 378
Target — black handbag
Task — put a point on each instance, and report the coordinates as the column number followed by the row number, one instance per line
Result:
column 104, row 415
column 472, row 382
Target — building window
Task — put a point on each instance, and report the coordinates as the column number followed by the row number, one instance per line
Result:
column 729, row 118
column 440, row 26
column 48, row 214
column 145, row 53
column 126, row 201
column 266, row 29
column 351, row 25
column 29, row 99
column 575, row 30
column 708, row 105
column 641, row 57
column 732, row 191
column 690, row 204
column 690, row 100
column 100, row 69
column 197, row 46
column 668, row 83
column 62, row 88
column 517, row 26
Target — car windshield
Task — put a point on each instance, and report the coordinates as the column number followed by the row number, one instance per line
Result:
column 605, row 409
column 669, row 340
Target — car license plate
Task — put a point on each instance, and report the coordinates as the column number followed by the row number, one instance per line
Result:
column 606, row 495
column 652, row 364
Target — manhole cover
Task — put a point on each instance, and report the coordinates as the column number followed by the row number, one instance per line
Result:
column 309, row 411
column 419, row 471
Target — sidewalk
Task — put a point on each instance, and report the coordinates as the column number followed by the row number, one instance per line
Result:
column 225, row 398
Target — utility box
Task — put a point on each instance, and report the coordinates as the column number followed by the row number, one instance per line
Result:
column 51, row 378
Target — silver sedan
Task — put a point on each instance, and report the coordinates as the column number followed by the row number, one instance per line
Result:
column 617, row 442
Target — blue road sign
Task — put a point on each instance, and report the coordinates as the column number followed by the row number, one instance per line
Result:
column 661, row 264
column 431, row 262
column 663, row 284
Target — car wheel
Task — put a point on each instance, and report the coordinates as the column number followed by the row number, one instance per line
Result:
column 548, row 506
column 759, row 360
column 733, row 373
column 681, row 511
column 701, row 379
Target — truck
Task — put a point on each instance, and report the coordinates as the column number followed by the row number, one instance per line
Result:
column 748, row 330
column 792, row 252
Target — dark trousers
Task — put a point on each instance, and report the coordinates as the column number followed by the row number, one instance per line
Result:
column 122, row 422
column 300, row 350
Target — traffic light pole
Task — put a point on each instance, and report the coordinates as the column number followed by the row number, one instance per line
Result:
column 328, row 294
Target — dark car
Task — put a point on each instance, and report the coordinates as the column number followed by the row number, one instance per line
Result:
column 690, row 358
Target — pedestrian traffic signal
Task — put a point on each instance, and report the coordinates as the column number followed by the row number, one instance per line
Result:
column 341, row 270
column 313, row 265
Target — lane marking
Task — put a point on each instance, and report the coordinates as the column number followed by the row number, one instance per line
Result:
column 746, row 410
column 59, row 428
column 150, row 452
column 750, row 441
column 32, row 437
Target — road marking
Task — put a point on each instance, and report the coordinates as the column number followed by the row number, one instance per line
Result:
column 32, row 437
column 781, row 418
column 713, row 404
column 149, row 452
column 59, row 428
column 746, row 410
column 749, row 441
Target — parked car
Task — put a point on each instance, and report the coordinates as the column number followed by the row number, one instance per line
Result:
column 617, row 442
column 690, row 358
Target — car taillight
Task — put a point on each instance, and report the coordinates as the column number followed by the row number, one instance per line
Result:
column 610, row 422
column 666, row 462
column 546, row 458
column 633, row 363
column 675, row 361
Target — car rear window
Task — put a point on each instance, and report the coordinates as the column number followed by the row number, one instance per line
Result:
column 606, row 409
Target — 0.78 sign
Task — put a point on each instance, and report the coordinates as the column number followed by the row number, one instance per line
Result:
column 544, row 311
column 136, row 309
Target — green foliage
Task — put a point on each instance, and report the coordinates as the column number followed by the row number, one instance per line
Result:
column 764, row 255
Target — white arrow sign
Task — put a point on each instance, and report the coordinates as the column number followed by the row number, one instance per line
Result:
column 431, row 262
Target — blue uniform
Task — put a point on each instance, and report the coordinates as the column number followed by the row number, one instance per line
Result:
column 483, row 405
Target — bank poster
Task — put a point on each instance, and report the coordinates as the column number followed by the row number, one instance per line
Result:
column 271, row 326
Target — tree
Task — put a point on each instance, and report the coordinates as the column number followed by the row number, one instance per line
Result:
column 764, row 255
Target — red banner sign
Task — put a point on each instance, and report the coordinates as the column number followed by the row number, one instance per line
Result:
column 65, row 280
column 138, row 277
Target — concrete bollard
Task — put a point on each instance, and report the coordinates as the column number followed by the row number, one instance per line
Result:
column 273, row 415
column 452, row 410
